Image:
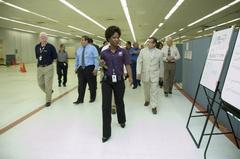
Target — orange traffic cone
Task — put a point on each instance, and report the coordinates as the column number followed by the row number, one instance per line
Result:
column 22, row 67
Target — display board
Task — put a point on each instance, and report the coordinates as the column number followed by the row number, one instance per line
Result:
column 231, row 87
column 215, row 59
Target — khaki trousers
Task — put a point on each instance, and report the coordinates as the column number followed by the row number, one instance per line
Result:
column 169, row 73
column 151, row 93
column 45, row 80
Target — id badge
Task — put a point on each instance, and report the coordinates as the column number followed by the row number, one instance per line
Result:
column 114, row 78
column 40, row 58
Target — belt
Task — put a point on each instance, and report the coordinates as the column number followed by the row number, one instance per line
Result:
column 168, row 62
column 119, row 78
column 83, row 67
column 44, row 65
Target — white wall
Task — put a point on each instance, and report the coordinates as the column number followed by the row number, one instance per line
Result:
column 22, row 44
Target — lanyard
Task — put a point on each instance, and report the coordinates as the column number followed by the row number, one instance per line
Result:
column 113, row 63
column 42, row 49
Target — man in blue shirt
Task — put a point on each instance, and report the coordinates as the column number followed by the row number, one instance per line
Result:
column 86, row 66
column 134, row 52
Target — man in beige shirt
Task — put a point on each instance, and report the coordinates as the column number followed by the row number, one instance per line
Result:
column 170, row 56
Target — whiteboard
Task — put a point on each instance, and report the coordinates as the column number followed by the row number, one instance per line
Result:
column 231, row 87
column 215, row 59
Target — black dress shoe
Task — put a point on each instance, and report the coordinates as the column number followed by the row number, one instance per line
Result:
column 122, row 125
column 64, row 85
column 104, row 139
column 166, row 94
column 170, row 92
column 77, row 102
column 146, row 103
column 91, row 100
column 134, row 87
column 48, row 104
column 154, row 110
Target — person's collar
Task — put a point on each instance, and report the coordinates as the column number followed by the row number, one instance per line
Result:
column 43, row 44
column 109, row 48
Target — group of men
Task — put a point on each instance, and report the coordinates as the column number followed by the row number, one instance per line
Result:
column 149, row 65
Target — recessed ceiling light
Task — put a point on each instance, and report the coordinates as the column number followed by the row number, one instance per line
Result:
column 28, row 31
column 36, row 26
column 81, row 13
column 126, row 12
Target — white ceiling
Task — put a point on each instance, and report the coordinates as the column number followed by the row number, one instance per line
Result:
column 145, row 16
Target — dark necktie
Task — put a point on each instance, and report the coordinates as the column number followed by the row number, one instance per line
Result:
column 83, row 59
column 169, row 51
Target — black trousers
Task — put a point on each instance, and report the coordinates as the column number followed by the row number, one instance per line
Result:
column 62, row 68
column 85, row 76
column 118, row 89
column 134, row 73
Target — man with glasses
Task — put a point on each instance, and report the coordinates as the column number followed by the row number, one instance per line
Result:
column 148, row 69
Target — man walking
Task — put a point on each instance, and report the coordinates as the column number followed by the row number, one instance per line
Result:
column 86, row 66
column 45, row 54
column 148, row 69
column 170, row 56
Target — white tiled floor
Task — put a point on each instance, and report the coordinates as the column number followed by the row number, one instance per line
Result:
column 67, row 131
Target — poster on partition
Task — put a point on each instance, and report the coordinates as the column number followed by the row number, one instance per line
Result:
column 215, row 59
column 231, row 87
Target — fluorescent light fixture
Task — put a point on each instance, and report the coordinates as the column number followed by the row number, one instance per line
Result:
column 197, row 37
column 25, row 10
column 154, row 32
column 78, row 36
column 123, row 40
column 175, row 7
column 185, row 40
column 97, row 41
column 126, row 12
column 101, row 37
column 223, row 24
column 145, row 42
column 36, row 26
column 170, row 34
column 181, row 29
column 207, row 34
column 161, row 24
column 44, row 17
column 29, row 31
column 52, row 35
column 199, row 31
column 80, row 29
column 215, row 12
column 16, row 7
column 81, row 13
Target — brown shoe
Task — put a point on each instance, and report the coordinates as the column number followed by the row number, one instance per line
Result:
column 154, row 110
column 146, row 103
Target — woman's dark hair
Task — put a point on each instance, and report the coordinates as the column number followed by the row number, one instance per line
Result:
column 110, row 32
